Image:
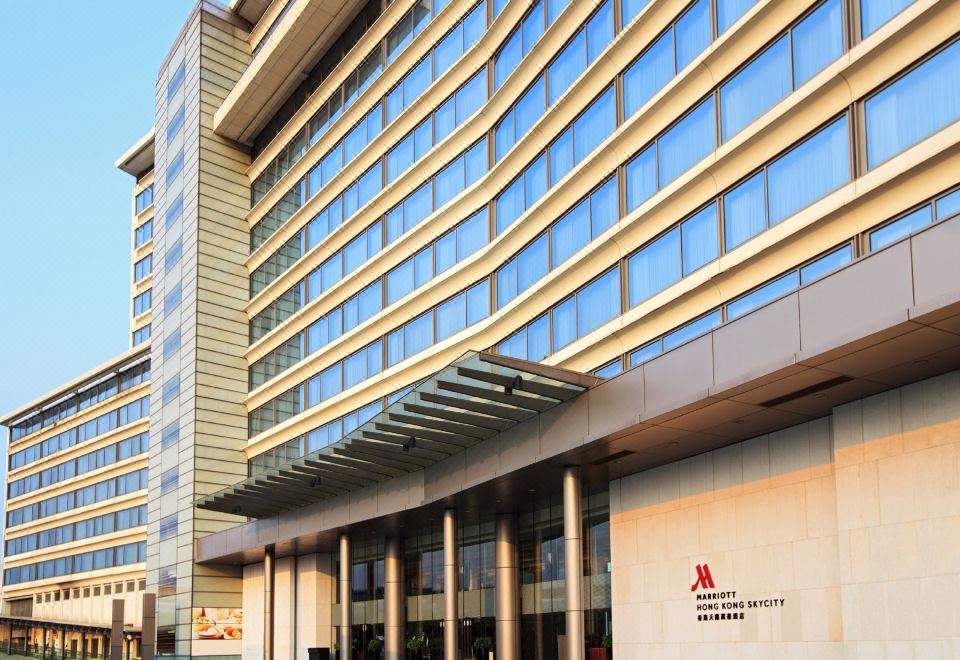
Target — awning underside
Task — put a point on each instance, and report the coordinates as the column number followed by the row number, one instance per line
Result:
column 471, row 400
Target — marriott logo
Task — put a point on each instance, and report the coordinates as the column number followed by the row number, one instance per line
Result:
column 704, row 579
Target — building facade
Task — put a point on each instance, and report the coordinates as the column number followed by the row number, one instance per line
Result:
column 553, row 329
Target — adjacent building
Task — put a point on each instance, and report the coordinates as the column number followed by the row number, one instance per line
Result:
column 551, row 330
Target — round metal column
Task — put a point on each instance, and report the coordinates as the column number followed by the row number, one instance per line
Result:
column 573, row 562
column 269, row 574
column 346, row 599
column 508, row 588
column 451, row 588
column 394, row 619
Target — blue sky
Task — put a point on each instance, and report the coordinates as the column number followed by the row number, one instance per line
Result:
column 76, row 90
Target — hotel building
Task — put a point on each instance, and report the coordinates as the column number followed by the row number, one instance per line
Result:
column 550, row 330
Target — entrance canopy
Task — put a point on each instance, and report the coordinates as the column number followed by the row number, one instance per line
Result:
column 471, row 400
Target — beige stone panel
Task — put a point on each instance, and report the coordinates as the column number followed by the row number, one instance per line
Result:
column 253, row 612
column 284, row 608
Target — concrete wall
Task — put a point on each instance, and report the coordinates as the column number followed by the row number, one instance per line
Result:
column 852, row 520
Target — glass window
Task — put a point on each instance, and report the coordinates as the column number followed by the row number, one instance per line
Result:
column 744, row 211
column 599, row 30
column 594, row 125
column 506, row 283
column 509, row 204
column 598, row 302
column 728, row 11
column 900, row 228
column 507, row 59
column 691, row 330
column 641, row 177
column 654, row 268
column 693, row 33
column 915, row 106
column 451, row 317
column 570, row 233
column 767, row 293
column 811, row 170
column 604, row 207
column 530, row 107
column 699, row 239
column 532, row 263
column 631, row 8
column 561, row 156
column 826, row 264
column 564, row 323
column 948, row 205
column 817, row 41
column 418, row 334
column 400, row 281
column 756, row 89
column 687, row 143
column 874, row 13
column 471, row 96
column 478, row 302
column 568, row 65
column 649, row 74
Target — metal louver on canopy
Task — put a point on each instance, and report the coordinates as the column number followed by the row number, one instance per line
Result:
column 469, row 401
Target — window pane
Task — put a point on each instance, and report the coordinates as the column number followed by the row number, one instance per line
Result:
column 917, row 105
column 451, row 317
column 506, row 283
column 728, row 11
column 687, row 143
column 471, row 96
column 817, row 41
column 561, row 156
column 699, row 239
column 507, row 59
column 471, row 235
column 530, row 107
column 645, row 353
column 631, row 8
column 808, row 172
column 599, row 30
column 604, row 211
column 693, row 33
column 744, row 211
column 478, row 302
column 568, row 65
column 418, row 334
column 948, row 205
column 537, row 337
column 594, row 125
column 649, row 74
column 762, row 296
column 641, row 178
column 570, row 233
column 691, row 330
column 510, row 204
column 532, row 263
column 654, row 268
column 598, row 302
column 826, row 264
column 400, row 281
column 900, row 228
column 874, row 13
column 564, row 323
column 756, row 89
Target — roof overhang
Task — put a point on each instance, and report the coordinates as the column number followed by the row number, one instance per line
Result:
column 249, row 10
column 105, row 370
column 467, row 402
column 301, row 37
column 138, row 159
column 889, row 319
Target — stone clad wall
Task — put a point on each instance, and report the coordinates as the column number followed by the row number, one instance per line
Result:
column 852, row 520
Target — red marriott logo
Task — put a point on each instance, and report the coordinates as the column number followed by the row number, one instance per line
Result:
column 704, row 579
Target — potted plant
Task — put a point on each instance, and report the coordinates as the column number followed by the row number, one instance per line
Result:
column 374, row 646
column 602, row 649
column 481, row 646
column 415, row 646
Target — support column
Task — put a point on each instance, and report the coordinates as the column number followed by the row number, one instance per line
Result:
column 43, row 643
column 83, row 645
column 116, row 631
column 394, row 614
column 451, row 587
column 573, row 562
column 269, row 574
column 346, row 599
column 10, row 641
column 148, row 636
column 63, row 644
column 508, row 588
